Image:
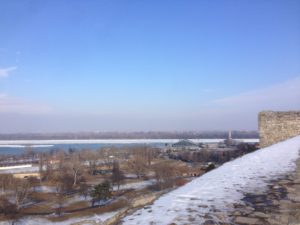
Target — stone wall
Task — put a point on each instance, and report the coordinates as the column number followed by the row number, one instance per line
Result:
column 278, row 126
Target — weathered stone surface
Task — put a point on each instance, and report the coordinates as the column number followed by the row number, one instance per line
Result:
column 278, row 126
column 285, row 204
column 294, row 197
column 202, row 206
column 275, row 202
column 297, row 181
column 221, row 216
column 210, row 222
column 246, row 220
column 260, row 215
column 284, row 219
column 236, row 213
column 278, row 205
column 273, row 221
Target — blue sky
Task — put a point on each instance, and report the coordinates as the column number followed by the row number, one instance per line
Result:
column 146, row 65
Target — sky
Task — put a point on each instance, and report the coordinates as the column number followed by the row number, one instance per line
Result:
column 106, row 65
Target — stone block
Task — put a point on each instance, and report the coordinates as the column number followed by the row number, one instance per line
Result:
column 246, row 220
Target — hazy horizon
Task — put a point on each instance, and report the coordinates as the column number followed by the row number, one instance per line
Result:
column 127, row 132
column 73, row 66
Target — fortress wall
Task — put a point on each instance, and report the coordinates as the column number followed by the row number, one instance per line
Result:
column 278, row 126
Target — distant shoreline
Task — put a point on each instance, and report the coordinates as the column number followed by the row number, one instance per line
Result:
column 114, row 141
column 141, row 135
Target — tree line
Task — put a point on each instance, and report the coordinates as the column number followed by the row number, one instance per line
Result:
column 130, row 135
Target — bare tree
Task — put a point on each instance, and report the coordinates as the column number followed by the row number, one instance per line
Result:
column 83, row 188
column 117, row 174
column 61, row 159
column 165, row 174
column 34, row 182
column 90, row 158
column 76, row 167
column 20, row 189
column 59, row 203
column 150, row 153
column 41, row 157
column 137, row 165
column 49, row 168
column 64, row 183
column 106, row 156
column 6, row 181
column 139, row 160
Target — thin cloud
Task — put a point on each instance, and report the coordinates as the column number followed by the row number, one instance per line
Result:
column 5, row 72
column 241, row 111
column 283, row 96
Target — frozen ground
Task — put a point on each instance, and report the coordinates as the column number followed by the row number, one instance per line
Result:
column 220, row 188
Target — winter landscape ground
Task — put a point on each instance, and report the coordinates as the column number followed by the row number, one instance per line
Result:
column 220, row 189
column 212, row 198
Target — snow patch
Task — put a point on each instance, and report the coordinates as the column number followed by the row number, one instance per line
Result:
column 135, row 185
column 45, row 189
column 29, row 169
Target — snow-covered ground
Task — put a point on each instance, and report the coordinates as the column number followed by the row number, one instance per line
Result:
column 15, row 167
column 135, row 185
column 222, row 187
column 77, row 198
column 131, row 176
column 29, row 169
column 45, row 189
column 98, row 218
column 44, row 143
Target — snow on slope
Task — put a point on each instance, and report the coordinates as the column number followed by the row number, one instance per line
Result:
column 220, row 188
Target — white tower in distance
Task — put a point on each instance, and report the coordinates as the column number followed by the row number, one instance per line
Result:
column 229, row 135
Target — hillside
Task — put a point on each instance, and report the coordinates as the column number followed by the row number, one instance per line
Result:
column 221, row 190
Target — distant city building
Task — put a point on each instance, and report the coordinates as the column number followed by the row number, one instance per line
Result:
column 185, row 145
column 229, row 141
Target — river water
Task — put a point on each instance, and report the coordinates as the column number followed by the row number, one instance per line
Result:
column 16, row 147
